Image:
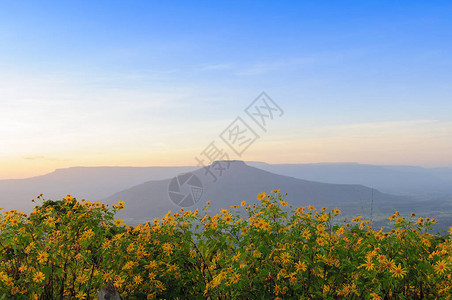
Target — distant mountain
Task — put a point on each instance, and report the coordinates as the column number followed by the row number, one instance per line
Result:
column 400, row 180
column 443, row 173
column 243, row 182
column 348, row 186
column 93, row 183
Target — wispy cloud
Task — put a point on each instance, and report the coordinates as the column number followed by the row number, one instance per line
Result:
column 217, row 67
column 258, row 67
column 263, row 67
column 40, row 157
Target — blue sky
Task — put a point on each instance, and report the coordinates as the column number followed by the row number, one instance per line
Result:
column 153, row 83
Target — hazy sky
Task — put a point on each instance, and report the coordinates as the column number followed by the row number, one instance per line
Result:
column 146, row 83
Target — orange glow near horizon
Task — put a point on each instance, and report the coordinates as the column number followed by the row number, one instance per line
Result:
column 314, row 150
column 418, row 143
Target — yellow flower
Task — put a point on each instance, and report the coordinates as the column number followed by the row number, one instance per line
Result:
column 8, row 280
column 357, row 219
column 168, row 248
column 235, row 278
column 80, row 295
column 192, row 253
column 119, row 222
column 275, row 191
column 39, row 277
column 227, row 218
column 440, row 267
column 336, row 211
column 87, row 234
column 29, row 247
column 320, row 241
column 130, row 248
column 42, row 257
column 106, row 245
column 23, row 268
column 277, row 289
column 243, row 203
column 82, row 278
column 340, row 231
column 323, row 217
column 261, row 196
column 301, row 266
column 381, row 258
column 375, row 296
column 50, row 221
column 285, row 257
column 129, row 265
column 398, row 271
column 300, row 210
column 118, row 281
column 152, row 265
column 389, row 264
column 15, row 290
column 306, row 234
column 368, row 265
column 137, row 279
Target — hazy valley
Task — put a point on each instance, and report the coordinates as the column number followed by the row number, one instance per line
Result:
column 368, row 190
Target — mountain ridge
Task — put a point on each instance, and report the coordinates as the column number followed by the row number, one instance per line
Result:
column 242, row 182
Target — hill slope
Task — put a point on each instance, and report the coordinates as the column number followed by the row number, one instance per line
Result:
column 390, row 179
column 93, row 183
column 242, row 182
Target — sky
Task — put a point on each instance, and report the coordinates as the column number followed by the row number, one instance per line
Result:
column 147, row 83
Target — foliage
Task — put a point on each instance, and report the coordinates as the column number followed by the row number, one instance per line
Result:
column 70, row 249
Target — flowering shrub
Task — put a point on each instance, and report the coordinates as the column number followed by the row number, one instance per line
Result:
column 69, row 249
